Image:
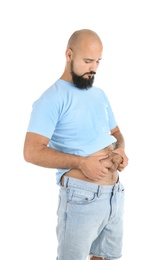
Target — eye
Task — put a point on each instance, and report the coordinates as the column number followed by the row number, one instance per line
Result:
column 87, row 61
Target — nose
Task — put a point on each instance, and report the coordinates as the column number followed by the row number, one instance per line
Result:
column 93, row 66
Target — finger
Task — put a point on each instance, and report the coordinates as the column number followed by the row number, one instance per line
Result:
column 106, row 167
column 102, row 174
column 102, row 157
column 121, row 167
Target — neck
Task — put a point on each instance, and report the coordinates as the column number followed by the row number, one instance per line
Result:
column 67, row 77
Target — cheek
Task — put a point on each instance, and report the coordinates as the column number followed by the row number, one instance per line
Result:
column 80, row 68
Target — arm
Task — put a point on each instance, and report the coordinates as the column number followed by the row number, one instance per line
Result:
column 120, row 147
column 37, row 152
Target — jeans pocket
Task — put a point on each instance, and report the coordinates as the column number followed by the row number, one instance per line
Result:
column 81, row 196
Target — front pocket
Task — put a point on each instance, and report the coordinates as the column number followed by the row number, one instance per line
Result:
column 80, row 196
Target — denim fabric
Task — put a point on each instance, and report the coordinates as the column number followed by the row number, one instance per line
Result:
column 90, row 220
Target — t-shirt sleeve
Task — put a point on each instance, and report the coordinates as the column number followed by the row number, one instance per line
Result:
column 44, row 115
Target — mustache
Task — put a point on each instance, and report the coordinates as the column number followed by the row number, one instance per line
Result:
column 91, row 73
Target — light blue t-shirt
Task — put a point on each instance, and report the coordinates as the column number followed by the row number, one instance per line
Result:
column 76, row 121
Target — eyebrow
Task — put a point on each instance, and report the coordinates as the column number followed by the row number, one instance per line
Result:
column 92, row 59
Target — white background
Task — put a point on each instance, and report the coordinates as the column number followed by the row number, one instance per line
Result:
column 33, row 38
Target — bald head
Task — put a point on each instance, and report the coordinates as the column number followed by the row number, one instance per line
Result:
column 83, row 36
column 83, row 55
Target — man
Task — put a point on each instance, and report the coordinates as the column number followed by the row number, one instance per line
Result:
column 73, row 129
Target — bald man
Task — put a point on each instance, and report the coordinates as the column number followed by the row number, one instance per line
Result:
column 73, row 129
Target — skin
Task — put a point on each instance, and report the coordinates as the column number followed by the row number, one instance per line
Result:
column 85, row 50
column 110, row 160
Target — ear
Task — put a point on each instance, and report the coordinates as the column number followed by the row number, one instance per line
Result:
column 69, row 54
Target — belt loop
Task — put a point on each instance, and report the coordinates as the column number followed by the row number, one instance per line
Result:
column 115, row 188
column 120, row 186
column 98, row 191
column 67, row 182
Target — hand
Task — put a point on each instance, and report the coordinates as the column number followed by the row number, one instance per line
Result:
column 124, row 162
column 92, row 167
column 114, row 159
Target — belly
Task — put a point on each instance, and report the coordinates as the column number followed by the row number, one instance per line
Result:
column 109, row 179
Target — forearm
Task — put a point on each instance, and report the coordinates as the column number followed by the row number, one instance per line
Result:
column 36, row 151
column 50, row 158
column 120, row 143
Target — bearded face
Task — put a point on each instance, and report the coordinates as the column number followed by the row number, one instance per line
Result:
column 81, row 82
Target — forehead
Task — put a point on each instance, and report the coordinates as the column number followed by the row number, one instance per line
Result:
column 89, row 49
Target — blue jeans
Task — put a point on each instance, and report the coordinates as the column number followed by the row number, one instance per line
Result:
column 90, row 220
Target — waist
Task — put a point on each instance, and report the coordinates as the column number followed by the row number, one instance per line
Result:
column 72, row 182
column 111, row 178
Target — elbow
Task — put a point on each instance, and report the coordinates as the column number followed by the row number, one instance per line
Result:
column 27, row 154
column 26, row 157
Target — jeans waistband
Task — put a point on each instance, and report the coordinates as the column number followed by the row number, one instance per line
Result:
column 99, row 189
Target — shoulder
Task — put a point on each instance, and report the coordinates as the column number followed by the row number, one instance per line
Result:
column 55, row 96
column 58, row 88
column 100, row 92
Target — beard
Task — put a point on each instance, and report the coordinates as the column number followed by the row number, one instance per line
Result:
column 81, row 82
